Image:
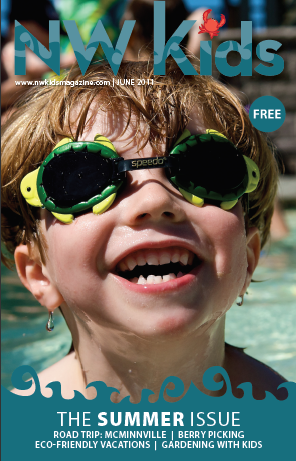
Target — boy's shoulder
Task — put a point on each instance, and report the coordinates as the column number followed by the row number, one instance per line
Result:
column 242, row 368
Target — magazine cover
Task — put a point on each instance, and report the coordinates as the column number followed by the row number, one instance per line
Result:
column 148, row 229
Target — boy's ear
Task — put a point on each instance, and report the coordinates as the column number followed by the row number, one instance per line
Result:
column 253, row 254
column 31, row 273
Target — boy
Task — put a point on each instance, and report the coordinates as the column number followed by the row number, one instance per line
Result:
column 146, row 266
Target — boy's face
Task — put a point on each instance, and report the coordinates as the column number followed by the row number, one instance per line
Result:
column 150, row 222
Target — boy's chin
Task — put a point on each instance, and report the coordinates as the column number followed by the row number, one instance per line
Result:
column 163, row 326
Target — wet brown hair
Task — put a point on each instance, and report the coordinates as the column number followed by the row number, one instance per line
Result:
column 43, row 116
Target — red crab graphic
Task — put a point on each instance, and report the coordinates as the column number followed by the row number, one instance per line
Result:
column 211, row 26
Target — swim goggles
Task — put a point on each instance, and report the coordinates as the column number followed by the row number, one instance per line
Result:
column 79, row 176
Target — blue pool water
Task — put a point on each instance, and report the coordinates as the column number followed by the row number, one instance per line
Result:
column 265, row 325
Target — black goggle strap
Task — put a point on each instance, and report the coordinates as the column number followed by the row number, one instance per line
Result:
column 152, row 162
column 145, row 163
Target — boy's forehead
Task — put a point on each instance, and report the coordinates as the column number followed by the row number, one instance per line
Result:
column 125, row 133
column 113, row 126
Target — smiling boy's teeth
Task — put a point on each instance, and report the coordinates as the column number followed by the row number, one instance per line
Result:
column 152, row 260
column 184, row 258
column 164, row 258
column 141, row 260
column 142, row 280
column 150, row 279
column 175, row 258
column 190, row 259
column 155, row 279
column 155, row 257
column 122, row 266
column 131, row 263
column 168, row 277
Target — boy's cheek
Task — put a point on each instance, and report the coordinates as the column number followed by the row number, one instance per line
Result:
column 231, row 266
column 228, row 237
column 69, row 242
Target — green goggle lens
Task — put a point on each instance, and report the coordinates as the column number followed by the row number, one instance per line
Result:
column 212, row 168
column 77, row 176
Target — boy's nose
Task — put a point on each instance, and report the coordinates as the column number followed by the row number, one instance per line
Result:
column 154, row 200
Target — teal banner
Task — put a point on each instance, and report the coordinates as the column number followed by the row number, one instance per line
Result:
column 196, row 427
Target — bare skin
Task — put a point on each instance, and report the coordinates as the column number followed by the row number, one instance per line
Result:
column 132, row 336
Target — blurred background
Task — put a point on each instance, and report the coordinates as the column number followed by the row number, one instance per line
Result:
column 265, row 325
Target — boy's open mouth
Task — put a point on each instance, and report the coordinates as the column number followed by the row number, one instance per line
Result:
column 145, row 267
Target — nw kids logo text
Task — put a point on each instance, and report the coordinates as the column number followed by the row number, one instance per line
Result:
column 162, row 50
